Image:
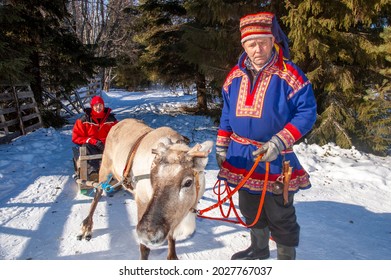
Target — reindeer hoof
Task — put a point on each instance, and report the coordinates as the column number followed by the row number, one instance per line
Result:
column 86, row 236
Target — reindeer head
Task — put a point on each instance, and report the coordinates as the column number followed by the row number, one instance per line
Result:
column 178, row 183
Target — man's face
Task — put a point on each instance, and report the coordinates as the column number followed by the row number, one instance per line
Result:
column 259, row 50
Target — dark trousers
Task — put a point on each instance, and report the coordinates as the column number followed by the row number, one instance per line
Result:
column 280, row 218
column 92, row 165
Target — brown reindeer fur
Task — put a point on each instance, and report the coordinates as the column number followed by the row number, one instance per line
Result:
column 171, row 185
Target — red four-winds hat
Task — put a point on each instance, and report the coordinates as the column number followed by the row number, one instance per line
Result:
column 264, row 24
column 256, row 25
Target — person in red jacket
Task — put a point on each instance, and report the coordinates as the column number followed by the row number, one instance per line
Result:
column 92, row 129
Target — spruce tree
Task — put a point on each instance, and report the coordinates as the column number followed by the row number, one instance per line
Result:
column 337, row 44
column 158, row 33
column 13, row 51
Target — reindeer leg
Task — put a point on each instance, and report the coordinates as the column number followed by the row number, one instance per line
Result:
column 86, row 230
column 144, row 252
column 171, row 249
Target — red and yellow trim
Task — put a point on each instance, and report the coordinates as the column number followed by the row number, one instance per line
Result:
column 299, row 179
column 223, row 138
column 289, row 135
column 251, row 105
column 235, row 73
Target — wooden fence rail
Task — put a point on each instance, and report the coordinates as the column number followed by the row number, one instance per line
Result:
column 75, row 102
column 19, row 112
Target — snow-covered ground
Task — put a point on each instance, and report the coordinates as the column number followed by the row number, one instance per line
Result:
column 346, row 215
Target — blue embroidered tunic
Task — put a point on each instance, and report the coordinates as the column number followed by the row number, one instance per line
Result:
column 280, row 101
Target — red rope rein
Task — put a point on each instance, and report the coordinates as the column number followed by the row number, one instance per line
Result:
column 230, row 193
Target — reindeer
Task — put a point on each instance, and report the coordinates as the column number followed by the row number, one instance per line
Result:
column 163, row 173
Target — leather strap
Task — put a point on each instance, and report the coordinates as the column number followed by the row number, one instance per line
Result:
column 129, row 162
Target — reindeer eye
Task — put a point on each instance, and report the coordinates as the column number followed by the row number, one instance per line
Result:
column 187, row 183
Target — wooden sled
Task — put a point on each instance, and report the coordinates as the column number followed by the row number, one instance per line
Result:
column 86, row 184
column 84, row 181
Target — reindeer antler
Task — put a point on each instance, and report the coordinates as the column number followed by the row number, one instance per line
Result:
column 195, row 151
column 196, row 148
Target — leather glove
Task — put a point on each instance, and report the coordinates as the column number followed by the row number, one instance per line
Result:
column 99, row 144
column 221, row 154
column 270, row 149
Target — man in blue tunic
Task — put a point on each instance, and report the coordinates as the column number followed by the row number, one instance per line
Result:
column 269, row 104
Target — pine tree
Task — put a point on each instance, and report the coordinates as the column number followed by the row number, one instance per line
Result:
column 338, row 45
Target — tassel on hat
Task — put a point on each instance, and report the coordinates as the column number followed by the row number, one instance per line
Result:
column 280, row 37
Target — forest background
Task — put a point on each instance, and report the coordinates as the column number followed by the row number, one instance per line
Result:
column 344, row 47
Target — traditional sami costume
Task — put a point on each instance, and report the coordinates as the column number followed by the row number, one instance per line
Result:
column 281, row 89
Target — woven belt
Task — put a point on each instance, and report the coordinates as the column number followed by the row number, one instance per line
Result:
column 245, row 141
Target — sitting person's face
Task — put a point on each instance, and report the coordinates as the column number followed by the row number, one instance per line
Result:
column 98, row 107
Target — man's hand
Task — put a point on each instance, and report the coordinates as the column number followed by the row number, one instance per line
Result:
column 270, row 149
column 99, row 144
column 221, row 154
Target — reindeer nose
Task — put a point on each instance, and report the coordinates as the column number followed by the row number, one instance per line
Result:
column 151, row 236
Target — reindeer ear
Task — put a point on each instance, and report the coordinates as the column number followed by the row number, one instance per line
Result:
column 201, row 162
column 160, row 149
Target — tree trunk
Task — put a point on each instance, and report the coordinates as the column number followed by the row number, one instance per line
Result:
column 36, row 84
column 201, row 93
